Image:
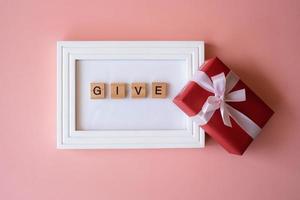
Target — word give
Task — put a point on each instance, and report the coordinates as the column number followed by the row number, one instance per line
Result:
column 119, row 90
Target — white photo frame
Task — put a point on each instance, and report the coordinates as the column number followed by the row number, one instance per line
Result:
column 79, row 62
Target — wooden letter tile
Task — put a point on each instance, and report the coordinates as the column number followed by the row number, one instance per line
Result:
column 118, row 90
column 159, row 89
column 138, row 90
column 97, row 90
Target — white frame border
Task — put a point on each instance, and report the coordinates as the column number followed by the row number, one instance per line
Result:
column 70, row 51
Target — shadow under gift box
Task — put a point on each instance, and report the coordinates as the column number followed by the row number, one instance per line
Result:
column 234, row 139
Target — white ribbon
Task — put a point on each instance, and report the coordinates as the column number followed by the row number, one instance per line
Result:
column 221, row 88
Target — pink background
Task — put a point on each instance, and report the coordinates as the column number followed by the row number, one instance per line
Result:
column 259, row 39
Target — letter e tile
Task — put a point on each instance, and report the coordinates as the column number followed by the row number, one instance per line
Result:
column 159, row 89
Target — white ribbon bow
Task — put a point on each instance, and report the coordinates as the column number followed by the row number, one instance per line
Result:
column 221, row 88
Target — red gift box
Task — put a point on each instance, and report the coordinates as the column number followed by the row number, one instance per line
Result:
column 232, row 121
